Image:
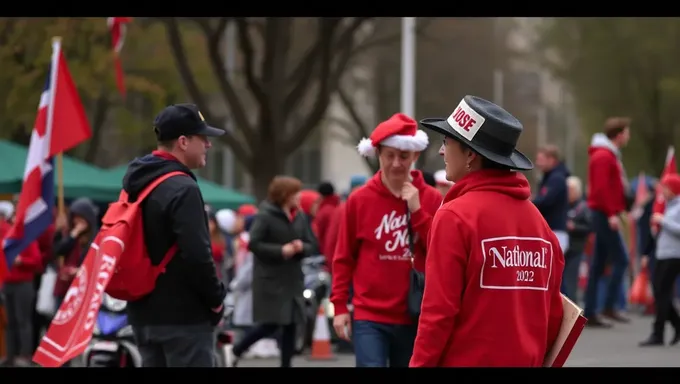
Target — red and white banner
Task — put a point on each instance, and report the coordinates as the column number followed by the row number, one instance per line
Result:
column 118, row 28
column 73, row 324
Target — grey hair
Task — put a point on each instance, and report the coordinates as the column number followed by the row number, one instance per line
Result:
column 575, row 182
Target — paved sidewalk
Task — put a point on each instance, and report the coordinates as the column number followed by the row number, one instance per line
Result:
column 615, row 347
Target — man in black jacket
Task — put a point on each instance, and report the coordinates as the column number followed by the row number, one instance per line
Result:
column 551, row 199
column 174, row 324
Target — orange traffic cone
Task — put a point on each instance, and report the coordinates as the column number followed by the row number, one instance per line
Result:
column 321, row 340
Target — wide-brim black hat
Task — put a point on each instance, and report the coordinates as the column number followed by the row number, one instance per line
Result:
column 488, row 129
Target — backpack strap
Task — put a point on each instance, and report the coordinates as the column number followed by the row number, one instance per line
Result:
column 147, row 190
column 168, row 256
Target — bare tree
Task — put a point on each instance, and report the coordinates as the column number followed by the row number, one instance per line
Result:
column 281, row 82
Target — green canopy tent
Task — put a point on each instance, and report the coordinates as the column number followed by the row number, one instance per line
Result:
column 214, row 194
column 80, row 179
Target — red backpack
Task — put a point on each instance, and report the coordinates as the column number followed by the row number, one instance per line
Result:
column 121, row 237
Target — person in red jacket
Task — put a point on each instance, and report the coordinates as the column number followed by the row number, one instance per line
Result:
column 373, row 247
column 607, row 195
column 19, row 303
column 331, row 236
column 494, row 268
column 326, row 205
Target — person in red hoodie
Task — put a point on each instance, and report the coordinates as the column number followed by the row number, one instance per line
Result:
column 373, row 246
column 494, row 268
column 336, row 218
column 323, row 215
column 19, row 303
column 607, row 194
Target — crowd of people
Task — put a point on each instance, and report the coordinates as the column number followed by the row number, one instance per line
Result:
column 489, row 249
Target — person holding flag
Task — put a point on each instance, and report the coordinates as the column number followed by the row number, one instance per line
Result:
column 60, row 125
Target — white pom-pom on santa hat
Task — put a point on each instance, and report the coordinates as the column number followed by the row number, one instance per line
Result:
column 226, row 220
column 440, row 178
column 399, row 131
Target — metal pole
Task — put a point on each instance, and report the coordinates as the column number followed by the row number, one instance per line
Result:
column 408, row 66
column 228, row 165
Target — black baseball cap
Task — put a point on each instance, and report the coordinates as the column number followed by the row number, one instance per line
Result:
column 182, row 120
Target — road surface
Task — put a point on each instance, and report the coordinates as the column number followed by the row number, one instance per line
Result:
column 615, row 347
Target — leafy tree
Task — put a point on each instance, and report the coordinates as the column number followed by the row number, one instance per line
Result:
column 623, row 67
column 151, row 79
column 289, row 70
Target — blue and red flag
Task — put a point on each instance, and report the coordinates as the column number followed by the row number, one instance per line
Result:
column 60, row 125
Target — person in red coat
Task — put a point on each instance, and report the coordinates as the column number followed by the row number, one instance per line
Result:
column 331, row 236
column 323, row 215
column 19, row 303
column 608, row 193
column 373, row 247
column 494, row 267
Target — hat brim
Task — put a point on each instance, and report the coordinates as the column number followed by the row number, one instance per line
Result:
column 516, row 160
column 207, row 130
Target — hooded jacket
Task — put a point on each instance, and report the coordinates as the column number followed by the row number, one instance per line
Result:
column 607, row 183
column 322, row 221
column 174, row 214
column 492, row 278
column 373, row 250
column 553, row 200
column 28, row 263
column 68, row 248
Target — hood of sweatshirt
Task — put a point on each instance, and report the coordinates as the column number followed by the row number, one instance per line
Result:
column 510, row 183
column 600, row 140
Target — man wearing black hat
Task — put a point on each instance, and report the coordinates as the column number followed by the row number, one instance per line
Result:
column 174, row 324
column 494, row 268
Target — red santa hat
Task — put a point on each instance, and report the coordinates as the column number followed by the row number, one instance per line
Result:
column 399, row 131
column 440, row 178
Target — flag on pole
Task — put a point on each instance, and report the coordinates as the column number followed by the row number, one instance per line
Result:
column 670, row 167
column 60, row 125
column 642, row 196
column 118, row 27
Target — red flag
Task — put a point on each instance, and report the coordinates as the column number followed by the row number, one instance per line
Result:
column 670, row 168
column 69, row 121
column 72, row 326
column 118, row 28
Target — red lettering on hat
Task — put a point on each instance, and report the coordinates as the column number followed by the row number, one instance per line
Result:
column 463, row 119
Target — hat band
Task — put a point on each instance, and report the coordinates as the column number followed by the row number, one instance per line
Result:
column 490, row 143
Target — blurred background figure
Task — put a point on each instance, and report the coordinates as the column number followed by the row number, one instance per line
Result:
column 579, row 228
column 280, row 237
column 441, row 183
column 668, row 263
column 6, row 211
column 326, row 205
column 429, row 178
column 217, row 243
column 551, row 198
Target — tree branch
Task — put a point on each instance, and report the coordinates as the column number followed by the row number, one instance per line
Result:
column 179, row 55
column 352, row 141
column 353, row 114
column 101, row 108
column 302, row 74
column 328, row 81
column 238, row 112
column 246, row 45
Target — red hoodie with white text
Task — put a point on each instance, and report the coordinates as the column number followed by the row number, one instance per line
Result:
column 492, row 278
column 373, row 250
column 605, row 177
